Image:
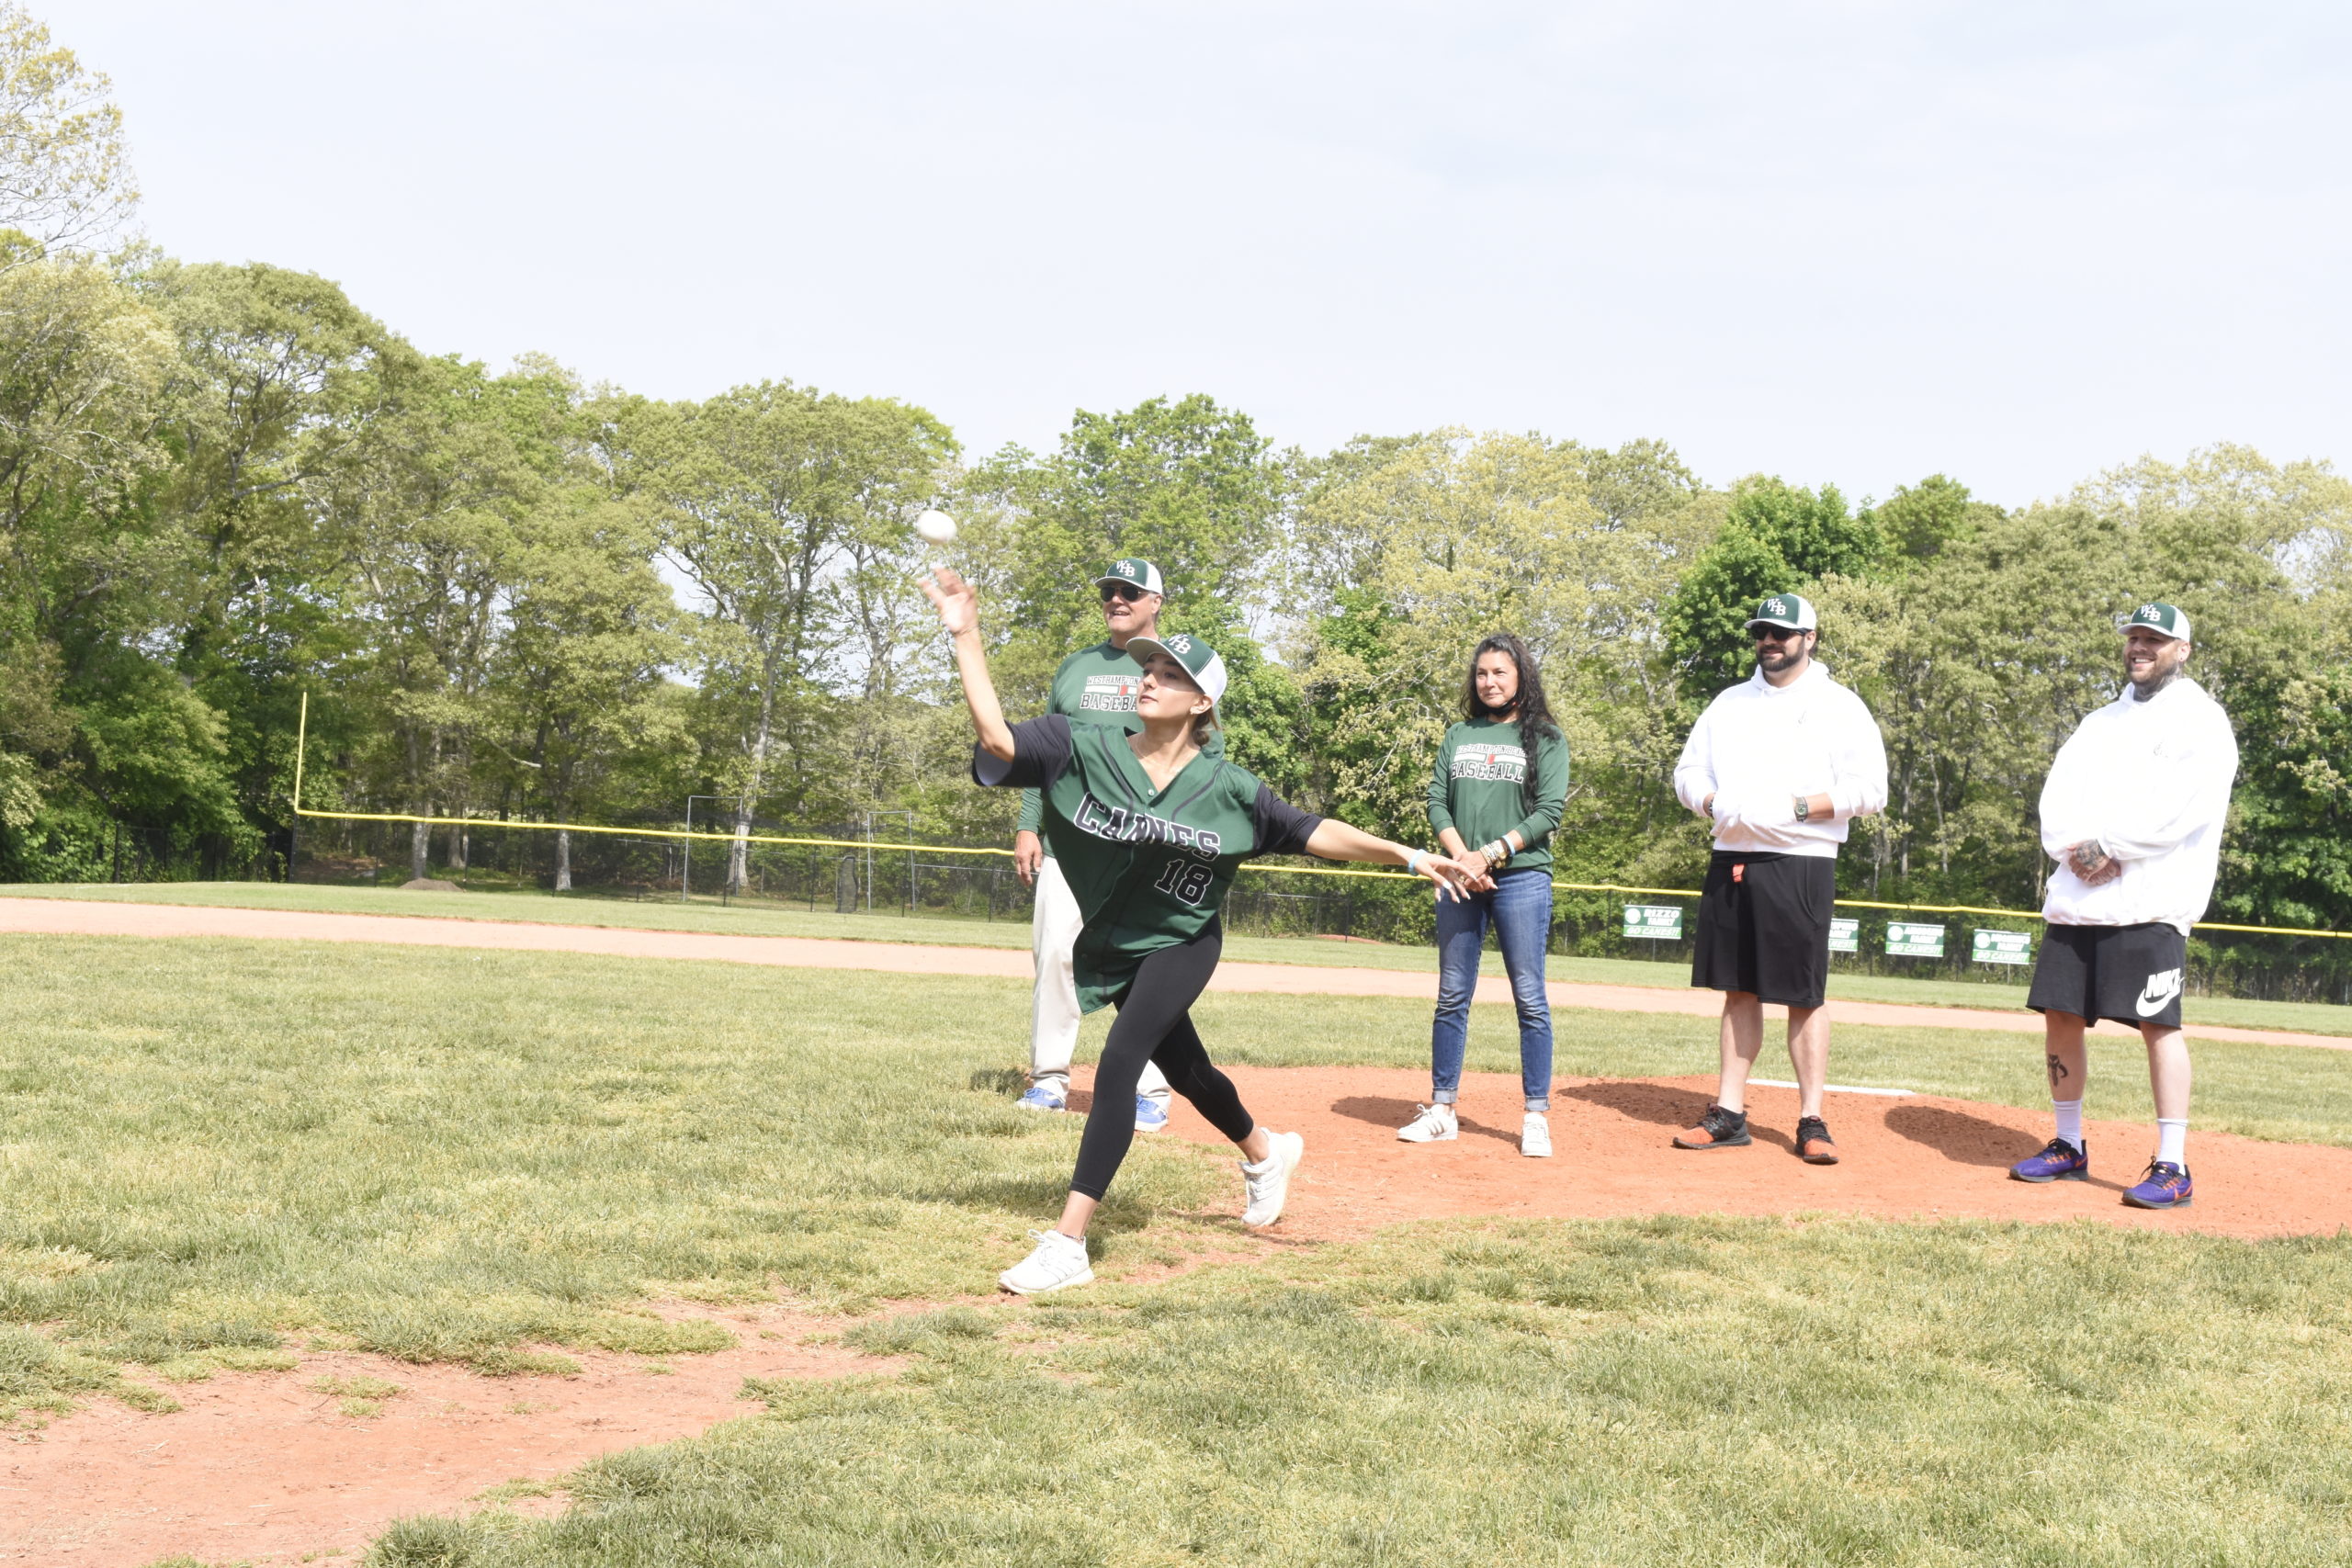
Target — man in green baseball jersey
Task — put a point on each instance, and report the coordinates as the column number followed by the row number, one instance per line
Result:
column 1094, row 685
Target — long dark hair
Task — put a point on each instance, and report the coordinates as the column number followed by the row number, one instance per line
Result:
column 1535, row 722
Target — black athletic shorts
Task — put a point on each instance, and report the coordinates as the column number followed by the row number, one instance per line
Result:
column 1764, row 926
column 2131, row 974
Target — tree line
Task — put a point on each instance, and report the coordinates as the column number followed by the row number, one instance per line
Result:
column 521, row 596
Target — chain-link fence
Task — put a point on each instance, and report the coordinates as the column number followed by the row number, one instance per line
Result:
column 861, row 875
column 490, row 855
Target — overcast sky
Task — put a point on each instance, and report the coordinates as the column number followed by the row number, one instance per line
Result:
column 1854, row 243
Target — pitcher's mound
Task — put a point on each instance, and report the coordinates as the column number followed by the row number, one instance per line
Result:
column 1916, row 1158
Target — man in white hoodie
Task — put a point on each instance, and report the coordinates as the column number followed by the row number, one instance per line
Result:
column 1781, row 762
column 2132, row 813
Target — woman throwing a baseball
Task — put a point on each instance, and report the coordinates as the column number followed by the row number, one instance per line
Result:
column 1149, row 833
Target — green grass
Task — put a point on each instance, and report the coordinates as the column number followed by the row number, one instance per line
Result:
column 218, row 1149
column 214, row 1146
column 753, row 920
column 1663, row 1391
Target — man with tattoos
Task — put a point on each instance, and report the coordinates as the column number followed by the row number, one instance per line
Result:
column 2132, row 814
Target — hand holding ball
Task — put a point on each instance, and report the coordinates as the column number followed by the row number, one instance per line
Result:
column 936, row 527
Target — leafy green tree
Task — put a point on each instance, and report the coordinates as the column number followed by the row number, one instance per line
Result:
column 281, row 379
column 580, row 670
column 1410, row 550
column 1777, row 536
column 763, row 494
column 1920, row 522
column 1187, row 484
column 429, row 512
column 65, row 182
column 85, row 574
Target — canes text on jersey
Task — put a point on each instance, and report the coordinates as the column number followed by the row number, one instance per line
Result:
column 1121, row 825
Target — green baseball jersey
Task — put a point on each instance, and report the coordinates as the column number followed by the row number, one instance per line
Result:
column 1094, row 685
column 1149, row 868
column 1478, row 788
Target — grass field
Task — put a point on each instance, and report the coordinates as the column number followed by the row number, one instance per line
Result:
column 1672, row 1391
column 748, row 919
column 217, row 1149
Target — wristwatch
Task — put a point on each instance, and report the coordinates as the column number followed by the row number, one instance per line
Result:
column 1804, row 807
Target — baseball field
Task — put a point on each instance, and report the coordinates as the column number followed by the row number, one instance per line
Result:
column 334, row 1251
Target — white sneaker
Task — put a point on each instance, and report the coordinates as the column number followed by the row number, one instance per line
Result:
column 1431, row 1124
column 1268, row 1184
column 1535, row 1136
column 1058, row 1263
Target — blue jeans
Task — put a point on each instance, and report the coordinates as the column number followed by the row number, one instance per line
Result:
column 1520, row 908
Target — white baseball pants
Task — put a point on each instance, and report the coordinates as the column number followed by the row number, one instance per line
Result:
column 1053, row 1013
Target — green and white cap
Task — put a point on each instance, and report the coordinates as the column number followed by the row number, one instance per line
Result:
column 2169, row 619
column 1199, row 660
column 1793, row 610
column 1133, row 571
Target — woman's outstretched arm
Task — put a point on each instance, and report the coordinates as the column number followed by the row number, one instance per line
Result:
column 959, row 612
column 1334, row 840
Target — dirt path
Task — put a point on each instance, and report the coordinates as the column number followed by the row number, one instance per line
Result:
column 259, row 1468
column 71, row 917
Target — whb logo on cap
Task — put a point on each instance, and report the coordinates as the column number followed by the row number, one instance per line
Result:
column 2168, row 619
column 1793, row 611
column 1136, row 572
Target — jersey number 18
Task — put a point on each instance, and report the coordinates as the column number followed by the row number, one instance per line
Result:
column 1187, row 879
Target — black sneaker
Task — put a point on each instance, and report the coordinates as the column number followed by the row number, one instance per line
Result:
column 1814, row 1144
column 1718, row 1129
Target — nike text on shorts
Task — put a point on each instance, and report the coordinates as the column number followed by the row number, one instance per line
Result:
column 2131, row 974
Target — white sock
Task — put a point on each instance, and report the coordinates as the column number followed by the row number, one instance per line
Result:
column 2172, row 1140
column 2070, row 1121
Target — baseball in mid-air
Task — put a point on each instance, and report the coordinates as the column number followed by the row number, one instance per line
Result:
column 936, row 527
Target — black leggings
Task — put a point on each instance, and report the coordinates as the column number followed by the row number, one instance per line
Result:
column 1155, row 1024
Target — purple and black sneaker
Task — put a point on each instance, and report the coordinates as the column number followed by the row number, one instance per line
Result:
column 2061, row 1161
column 2167, row 1185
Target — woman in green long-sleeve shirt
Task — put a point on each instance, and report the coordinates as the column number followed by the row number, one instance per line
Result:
column 1494, row 799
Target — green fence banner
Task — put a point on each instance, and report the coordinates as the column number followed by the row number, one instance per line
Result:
column 1654, row 922
column 1905, row 940
column 2001, row 947
column 1845, row 936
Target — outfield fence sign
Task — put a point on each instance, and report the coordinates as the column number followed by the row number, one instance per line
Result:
column 1845, row 936
column 2000, row 947
column 1654, row 922
column 1905, row 939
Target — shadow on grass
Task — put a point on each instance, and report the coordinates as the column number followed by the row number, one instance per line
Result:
column 1010, row 1082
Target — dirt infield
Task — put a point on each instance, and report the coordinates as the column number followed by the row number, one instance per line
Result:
column 1918, row 1156
column 70, row 917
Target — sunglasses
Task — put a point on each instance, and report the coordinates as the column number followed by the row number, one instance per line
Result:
column 1775, row 633
column 1126, row 590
